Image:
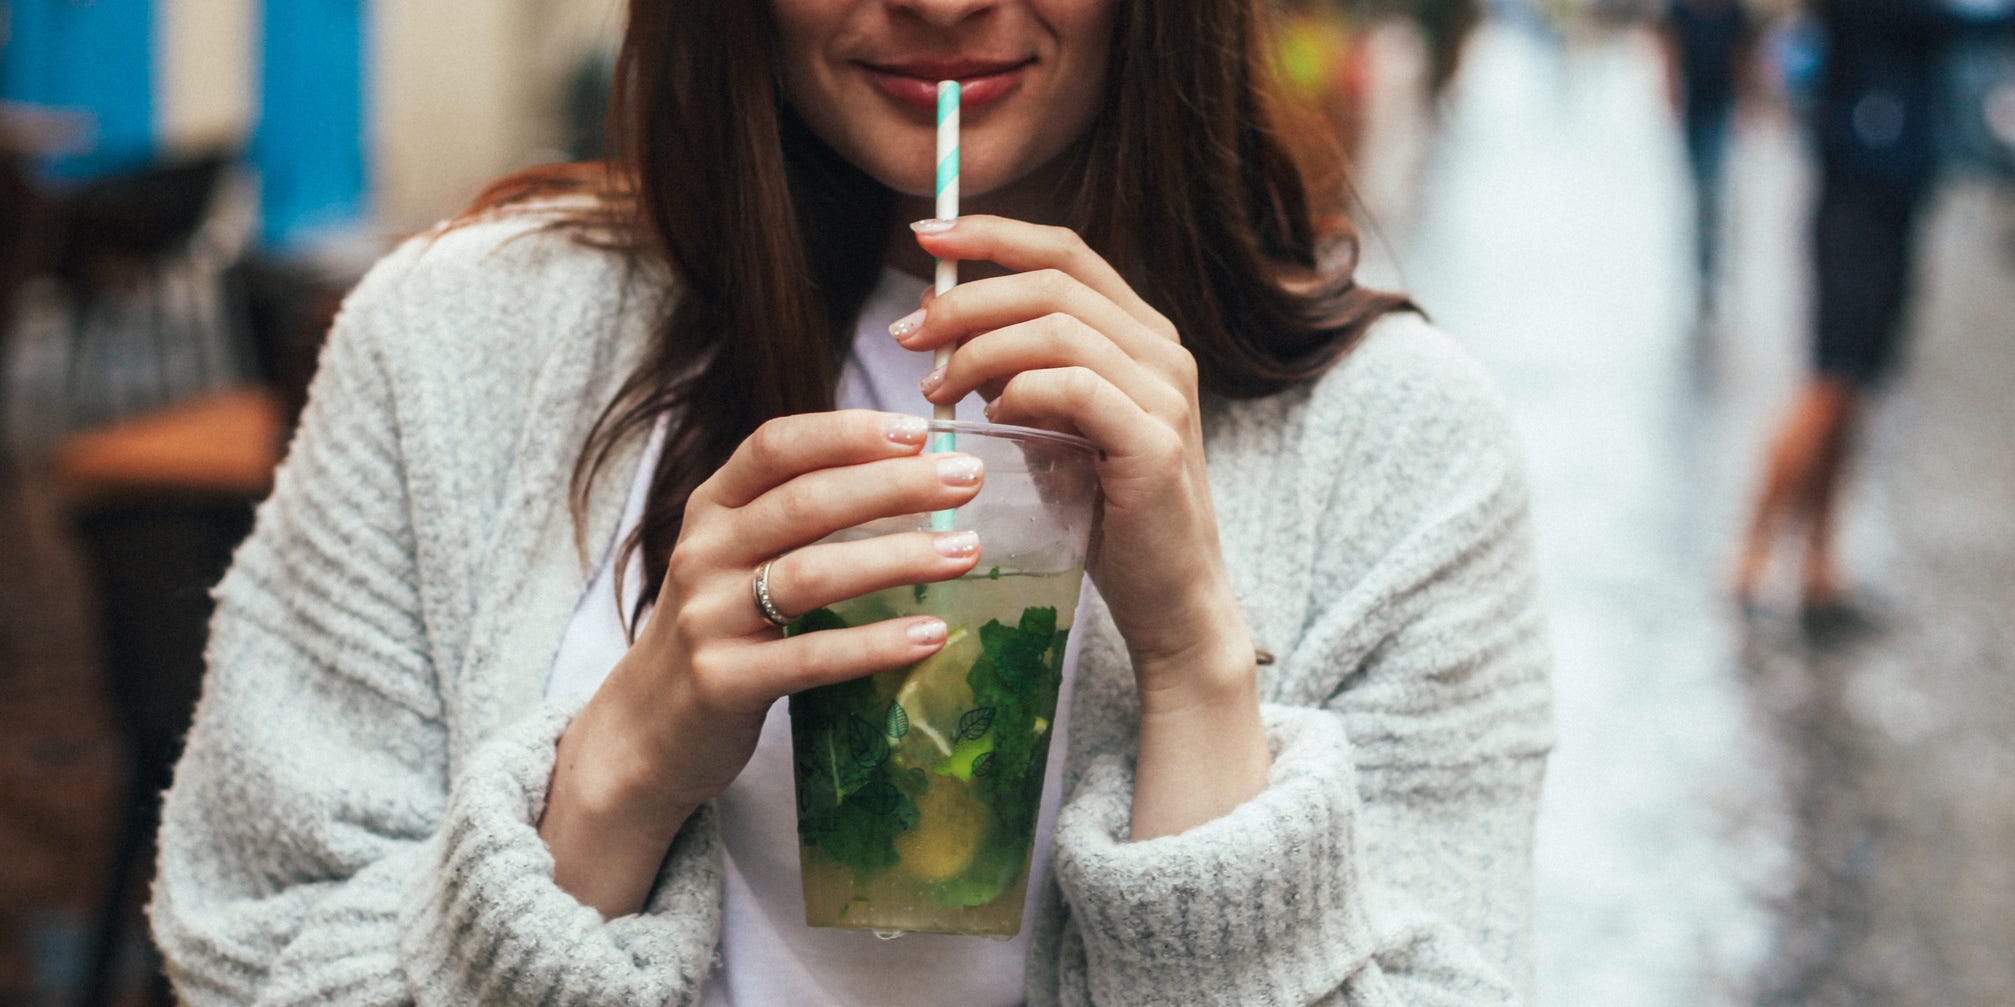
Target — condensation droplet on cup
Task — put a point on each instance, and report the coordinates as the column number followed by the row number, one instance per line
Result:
column 889, row 935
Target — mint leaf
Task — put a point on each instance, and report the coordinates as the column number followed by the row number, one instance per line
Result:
column 853, row 800
column 1038, row 623
column 860, row 834
column 880, row 797
column 896, row 724
column 1019, row 654
column 1018, row 678
column 865, row 745
column 974, row 723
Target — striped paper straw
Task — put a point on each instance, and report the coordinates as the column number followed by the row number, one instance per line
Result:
column 948, row 269
column 948, row 206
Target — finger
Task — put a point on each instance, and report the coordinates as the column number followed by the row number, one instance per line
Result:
column 756, row 675
column 1092, row 407
column 1019, row 246
column 823, row 501
column 789, row 446
column 820, row 575
column 982, row 305
column 987, row 362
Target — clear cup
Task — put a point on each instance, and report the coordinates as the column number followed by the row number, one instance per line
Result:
column 918, row 788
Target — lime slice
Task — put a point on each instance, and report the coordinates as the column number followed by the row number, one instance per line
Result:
column 950, row 825
column 963, row 758
column 933, row 698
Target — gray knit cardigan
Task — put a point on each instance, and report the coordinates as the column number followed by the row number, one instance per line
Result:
column 354, row 821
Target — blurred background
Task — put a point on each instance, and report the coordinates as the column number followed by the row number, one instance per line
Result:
column 1783, row 600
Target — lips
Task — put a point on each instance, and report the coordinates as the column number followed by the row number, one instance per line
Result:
column 914, row 82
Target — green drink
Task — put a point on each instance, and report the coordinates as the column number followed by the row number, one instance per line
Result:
column 918, row 789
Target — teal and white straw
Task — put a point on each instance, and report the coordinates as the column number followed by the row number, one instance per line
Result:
column 948, row 269
column 948, row 208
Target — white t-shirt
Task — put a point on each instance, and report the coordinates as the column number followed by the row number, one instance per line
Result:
column 768, row 955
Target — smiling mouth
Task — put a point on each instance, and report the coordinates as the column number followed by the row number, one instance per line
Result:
column 914, row 83
column 935, row 70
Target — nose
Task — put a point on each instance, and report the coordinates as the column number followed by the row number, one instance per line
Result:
column 943, row 13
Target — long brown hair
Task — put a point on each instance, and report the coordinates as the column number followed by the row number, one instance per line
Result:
column 1224, row 205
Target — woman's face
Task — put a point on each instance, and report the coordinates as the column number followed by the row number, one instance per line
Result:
column 863, row 74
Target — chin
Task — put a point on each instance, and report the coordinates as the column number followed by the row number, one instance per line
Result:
column 899, row 172
column 907, row 182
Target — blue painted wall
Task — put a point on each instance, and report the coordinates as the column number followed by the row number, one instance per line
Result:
column 96, row 57
column 310, row 143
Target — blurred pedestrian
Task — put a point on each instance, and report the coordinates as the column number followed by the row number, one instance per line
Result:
column 19, row 209
column 586, row 104
column 1877, row 148
column 1709, row 47
column 1445, row 25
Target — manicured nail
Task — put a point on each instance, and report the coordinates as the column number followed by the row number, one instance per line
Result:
column 907, row 429
column 907, row 324
column 957, row 545
column 959, row 470
column 932, row 380
column 935, row 225
column 926, row 631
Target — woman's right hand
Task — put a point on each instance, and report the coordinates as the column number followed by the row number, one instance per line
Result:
column 679, row 716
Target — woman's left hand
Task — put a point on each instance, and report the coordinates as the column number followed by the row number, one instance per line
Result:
column 1063, row 342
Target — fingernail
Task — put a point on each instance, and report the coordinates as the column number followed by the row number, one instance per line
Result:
column 907, row 429
column 935, row 225
column 926, row 631
column 932, row 380
column 907, row 324
column 991, row 407
column 959, row 470
column 957, row 545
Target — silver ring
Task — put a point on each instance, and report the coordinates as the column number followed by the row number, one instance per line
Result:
column 764, row 604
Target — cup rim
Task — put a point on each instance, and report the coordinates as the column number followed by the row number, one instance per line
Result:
column 1012, row 432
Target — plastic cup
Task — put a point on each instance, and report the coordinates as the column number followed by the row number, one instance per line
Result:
column 918, row 788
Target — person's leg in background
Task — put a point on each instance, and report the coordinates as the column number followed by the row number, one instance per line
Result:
column 1800, row 479
column 1862, row 237
column 1828, row 413
column 1855, row 361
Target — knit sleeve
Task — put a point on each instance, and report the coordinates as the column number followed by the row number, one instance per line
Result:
column 1388, row 861
column 315, row 847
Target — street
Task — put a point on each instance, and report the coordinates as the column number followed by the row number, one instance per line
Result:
column 1735, row 814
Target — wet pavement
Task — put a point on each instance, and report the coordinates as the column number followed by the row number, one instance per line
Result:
column 1738, row 813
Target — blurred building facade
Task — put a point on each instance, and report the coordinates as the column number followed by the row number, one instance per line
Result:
column 203, row 180
column 380, row 117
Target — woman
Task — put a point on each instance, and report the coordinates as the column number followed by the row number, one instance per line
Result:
column 389, row 796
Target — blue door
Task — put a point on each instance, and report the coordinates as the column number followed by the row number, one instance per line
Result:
column 94, row 57
column 310, row 143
